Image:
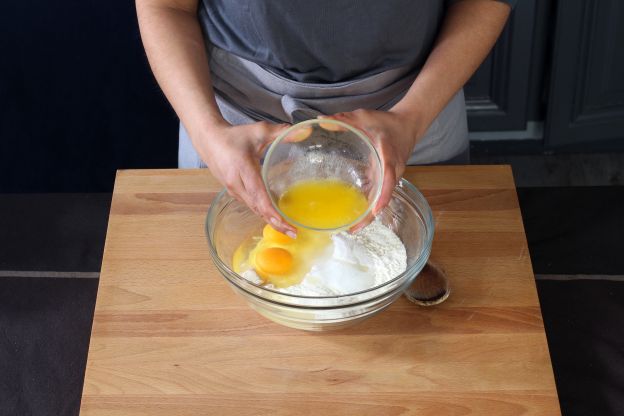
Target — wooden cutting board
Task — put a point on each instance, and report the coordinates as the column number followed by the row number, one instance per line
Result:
column 171, row 338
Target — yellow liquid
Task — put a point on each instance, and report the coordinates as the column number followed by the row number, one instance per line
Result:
column 279, row 260
column 323, row 203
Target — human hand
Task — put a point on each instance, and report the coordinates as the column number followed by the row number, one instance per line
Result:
column 394, row 135
column 232, row 154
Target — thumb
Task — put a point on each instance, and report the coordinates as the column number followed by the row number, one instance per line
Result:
column 329, row 126
column 271, row 132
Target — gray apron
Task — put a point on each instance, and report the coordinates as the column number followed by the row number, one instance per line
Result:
column 247, row 92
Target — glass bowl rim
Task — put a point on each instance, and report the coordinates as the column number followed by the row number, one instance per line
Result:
column 424, row 253
column 317, row 121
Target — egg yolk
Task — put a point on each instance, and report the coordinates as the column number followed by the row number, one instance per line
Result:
column 273, row 261
column 323, row 203
column 271, row 234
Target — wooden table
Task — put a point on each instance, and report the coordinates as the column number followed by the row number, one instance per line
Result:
column 171, row 338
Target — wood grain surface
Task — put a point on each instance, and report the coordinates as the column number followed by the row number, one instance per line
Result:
column 171, row 338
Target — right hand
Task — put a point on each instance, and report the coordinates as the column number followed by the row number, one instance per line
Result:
column 232, row 154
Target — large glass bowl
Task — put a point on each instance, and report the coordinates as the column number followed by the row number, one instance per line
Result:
column 230, row 222
column 322, row 149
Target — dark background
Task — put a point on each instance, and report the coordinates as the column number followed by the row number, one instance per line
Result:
column 78, row 101
column 77, row 98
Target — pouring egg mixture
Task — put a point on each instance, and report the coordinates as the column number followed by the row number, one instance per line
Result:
column 321, row 263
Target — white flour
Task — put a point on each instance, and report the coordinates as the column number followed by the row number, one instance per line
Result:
column 358, row 262
column 376, row 246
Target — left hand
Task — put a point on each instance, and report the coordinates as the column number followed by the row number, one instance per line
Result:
column 394, row 136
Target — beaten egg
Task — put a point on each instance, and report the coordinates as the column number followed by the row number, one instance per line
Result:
column 323, row 203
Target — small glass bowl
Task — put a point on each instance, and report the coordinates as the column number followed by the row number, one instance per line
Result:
column 322, row 149
column 408, row 214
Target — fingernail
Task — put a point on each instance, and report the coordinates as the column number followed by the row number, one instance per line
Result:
column 291, row 235
column 274, row 221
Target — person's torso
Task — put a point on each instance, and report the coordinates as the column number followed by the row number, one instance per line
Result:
column 327, row 40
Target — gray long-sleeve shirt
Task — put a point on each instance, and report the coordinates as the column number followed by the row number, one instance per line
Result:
column 325, row 40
